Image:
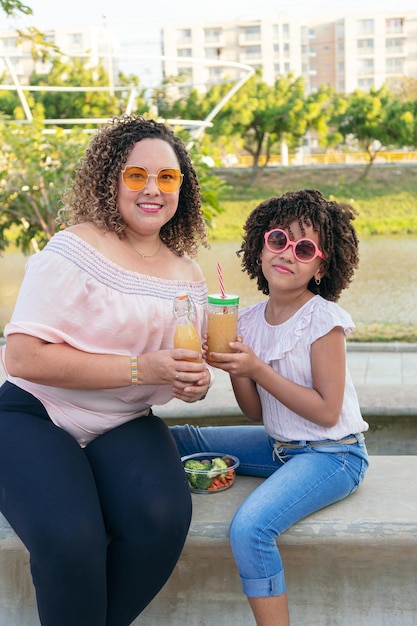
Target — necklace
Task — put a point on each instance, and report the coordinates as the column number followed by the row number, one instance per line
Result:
column 147, row 256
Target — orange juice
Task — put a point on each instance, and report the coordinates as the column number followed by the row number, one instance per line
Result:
column 186, row 336
column 222, row 321
column 220, row 330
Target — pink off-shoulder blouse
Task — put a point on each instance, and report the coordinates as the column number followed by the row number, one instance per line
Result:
column 73, row 294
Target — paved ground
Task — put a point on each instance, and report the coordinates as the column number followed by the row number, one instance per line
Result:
column 385, row 376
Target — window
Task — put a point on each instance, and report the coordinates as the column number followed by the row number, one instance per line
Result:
column 365, row 66
column 394, row 46
column 365, row 83
column 286, row 30
column 394, row 66
column 252, row 33
column 184, row 35
column 212, row 53
column 367, row 44
column 215, row 73
column 252, row 53
column 9, row 43
column 184, row 52
column 394, row 25
column 75, row 39
column 186, row 72
column 212, row 35
column 365, row 27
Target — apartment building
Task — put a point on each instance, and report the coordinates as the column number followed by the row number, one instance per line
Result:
column 92, row 43
column 352, row 51
column 345, row 52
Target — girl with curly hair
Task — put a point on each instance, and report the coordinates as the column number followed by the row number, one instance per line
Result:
column 90, row 479
column 288, row 369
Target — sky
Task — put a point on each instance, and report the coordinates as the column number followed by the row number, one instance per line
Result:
column 137, row 25
column 145, row 19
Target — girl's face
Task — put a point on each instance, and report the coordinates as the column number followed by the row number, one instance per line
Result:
column 283, row 270
column 145, row 211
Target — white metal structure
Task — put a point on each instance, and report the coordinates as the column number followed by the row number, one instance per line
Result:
column 197, row 126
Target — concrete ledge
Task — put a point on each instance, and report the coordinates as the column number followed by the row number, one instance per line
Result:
column 377, row 511
column 354, row 562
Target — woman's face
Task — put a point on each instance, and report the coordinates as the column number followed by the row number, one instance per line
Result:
column 147, row 210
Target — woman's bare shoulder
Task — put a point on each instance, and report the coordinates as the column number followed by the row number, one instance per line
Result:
column 87, row 231
column 93, row 235
column 192, row 269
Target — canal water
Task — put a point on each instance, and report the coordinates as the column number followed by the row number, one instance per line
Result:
column 383, row 290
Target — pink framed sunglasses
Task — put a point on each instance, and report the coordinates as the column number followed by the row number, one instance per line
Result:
column 304, row 250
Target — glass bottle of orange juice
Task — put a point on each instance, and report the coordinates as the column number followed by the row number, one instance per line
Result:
column 186, row 334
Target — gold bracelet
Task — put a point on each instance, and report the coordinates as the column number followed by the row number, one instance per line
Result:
column 134, row 370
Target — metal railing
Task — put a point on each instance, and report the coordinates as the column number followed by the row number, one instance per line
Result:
column 349, row 158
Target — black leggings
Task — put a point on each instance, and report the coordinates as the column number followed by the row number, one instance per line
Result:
column 104, row 525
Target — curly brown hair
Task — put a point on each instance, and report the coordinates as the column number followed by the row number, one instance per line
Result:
column 331, row 220
column 93, row 194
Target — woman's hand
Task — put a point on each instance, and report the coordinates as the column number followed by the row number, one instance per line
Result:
column 183, row 369
column 61, row 365
column 191, row 392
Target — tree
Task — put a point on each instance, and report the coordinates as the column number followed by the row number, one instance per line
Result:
column 263, row 116
column 82, row 104
column 13, row 7
column 406, row 89
column 321, row 106
column 290, row 119
column 9, row 100
column 41, row 49
column 35, row 169
column 377, row 120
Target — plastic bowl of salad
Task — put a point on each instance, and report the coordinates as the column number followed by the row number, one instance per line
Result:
column 210, row 472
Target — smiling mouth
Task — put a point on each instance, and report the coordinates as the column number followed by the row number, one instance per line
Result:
column 149, row 207
column 282, row 269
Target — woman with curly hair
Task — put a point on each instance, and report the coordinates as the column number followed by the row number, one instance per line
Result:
column 90, row 479
column 288, row 369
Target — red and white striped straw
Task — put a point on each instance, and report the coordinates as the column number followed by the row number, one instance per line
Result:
column 221, row 283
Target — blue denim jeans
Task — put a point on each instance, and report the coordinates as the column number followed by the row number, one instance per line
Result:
column 298, row 482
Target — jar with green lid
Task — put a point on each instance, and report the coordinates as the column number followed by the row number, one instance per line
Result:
column 222, row 313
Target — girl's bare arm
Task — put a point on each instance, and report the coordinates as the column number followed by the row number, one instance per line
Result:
column 321, row 404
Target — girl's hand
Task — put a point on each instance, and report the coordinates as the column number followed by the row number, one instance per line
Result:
column 241, row 362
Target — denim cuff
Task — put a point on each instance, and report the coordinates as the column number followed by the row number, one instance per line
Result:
column 264, row 587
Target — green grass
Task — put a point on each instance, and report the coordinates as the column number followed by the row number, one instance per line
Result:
column 384, row 333
column 386, row 201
